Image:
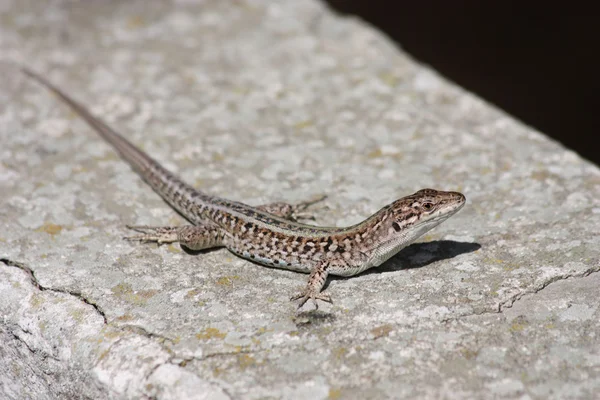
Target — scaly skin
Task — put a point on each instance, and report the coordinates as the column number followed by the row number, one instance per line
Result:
column 270, row 234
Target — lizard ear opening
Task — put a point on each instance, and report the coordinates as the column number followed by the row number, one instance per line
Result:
column 396, row 226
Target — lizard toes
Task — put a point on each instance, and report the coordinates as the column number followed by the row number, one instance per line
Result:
column 138, row 228
column 309, row 295
column 324, row 296
column 153, row 234
column 303, row 296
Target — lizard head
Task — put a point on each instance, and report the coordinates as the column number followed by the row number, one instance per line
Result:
column 427, row 207
column 406, row 219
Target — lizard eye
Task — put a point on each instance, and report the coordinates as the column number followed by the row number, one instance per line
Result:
column 427, row 206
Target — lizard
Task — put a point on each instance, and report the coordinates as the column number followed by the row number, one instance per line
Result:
column 271, row 234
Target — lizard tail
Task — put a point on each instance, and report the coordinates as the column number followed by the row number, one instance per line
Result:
column 176, row 192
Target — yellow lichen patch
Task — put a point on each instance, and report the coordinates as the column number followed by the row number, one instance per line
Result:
column 509, row 268
column 227, row 280
column 59, row 300
column 494, row 289
column 36, row 300
column 326, row 330
column 174, row 221
column 468, row 353
column 108, row 156
column 121, row 289
column 303, row 124
column 217, row 157
column 191, row 294
column 173, row 249
column 124, row 292
column 334, row 394
column 245, row 361
column 428, row 238
column 262, row 330
column 519, row 324
column 103, row 354
column 78, row 315
column 375, row 153
column 210, row 333
column 541, row 175
column 240, row 90
column 135, row 22
column 381, row 331
column 124, row 318
column 389, row 79
column 339, row 352
column 50, row 229
column 142, row 296
column 111, row 334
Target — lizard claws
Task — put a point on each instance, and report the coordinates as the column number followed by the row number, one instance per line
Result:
column 299, row 210
column 152, row 234
column 307, row 294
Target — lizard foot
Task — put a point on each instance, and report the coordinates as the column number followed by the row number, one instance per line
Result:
column 309, row 293
column 299, row 210
column 153, row 234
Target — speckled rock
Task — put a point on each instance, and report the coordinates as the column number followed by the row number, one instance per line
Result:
column 264, row 101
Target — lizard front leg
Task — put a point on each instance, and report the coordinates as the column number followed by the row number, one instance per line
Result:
column 293, row 212
column 316, row 281
column 194, row 237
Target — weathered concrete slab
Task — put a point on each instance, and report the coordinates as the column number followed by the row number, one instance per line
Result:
column 261, row 101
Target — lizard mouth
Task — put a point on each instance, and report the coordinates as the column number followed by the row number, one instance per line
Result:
column 447, row 212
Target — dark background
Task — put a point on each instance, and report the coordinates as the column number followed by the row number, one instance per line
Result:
column 536, row 61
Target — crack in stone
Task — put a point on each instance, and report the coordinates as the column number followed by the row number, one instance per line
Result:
column 31, row 274
column 513, row 299
column 33, row 351
column 510, row 302
column 157, row 366
column 223, row 354
column 180, row 364
column 138, row 330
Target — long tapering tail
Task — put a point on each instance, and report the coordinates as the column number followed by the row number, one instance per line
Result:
column 172, row 189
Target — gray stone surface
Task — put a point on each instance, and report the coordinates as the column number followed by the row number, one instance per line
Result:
column 266, row 101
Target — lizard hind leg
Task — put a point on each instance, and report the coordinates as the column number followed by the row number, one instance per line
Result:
column 293, row 212
column 193, row 237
